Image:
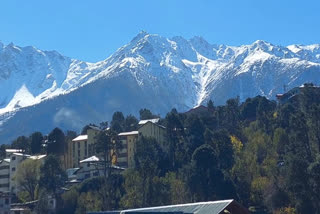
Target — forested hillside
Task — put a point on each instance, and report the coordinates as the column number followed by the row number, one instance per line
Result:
column 260, row 153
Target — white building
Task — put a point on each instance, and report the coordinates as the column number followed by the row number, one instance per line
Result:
column 89, row 168
column 9, row 166
column 15, row 160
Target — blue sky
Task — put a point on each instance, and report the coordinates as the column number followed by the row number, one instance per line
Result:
column 91, row 30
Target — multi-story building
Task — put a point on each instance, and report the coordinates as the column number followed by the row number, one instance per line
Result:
column 151, row 128
column 15, row 160
column 8, row 168
column 147, row 128
column 125, row 156
column 4, row 175
column 81, row 147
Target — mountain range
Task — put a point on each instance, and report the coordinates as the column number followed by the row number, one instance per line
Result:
column 41, row 90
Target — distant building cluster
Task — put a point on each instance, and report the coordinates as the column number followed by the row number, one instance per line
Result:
column 8, row 169
column 82, row 161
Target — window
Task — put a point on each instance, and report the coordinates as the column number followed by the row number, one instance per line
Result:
column 13, row 158
column 85, row 148
column 13, row 169
column 6, row 201
column 73, row 149
column 4, row 167
column 90, row 150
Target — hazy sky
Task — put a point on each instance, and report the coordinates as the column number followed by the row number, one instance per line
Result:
column 91, row 30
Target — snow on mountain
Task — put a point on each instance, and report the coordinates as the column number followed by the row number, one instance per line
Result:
column 43, row 89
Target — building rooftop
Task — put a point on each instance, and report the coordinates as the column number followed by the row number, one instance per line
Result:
column 212, row 207
column 37, row 157
column 90, row 159
column 14, row 150
column 70, row 172
column 80, row 138
column 152, row 124
column 20, row 154
column 94, row 128
column 128, row 133
column 142, row 122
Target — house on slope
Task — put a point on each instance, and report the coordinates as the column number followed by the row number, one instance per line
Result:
column 152, row 128
column 125, row 157
column 81, row 147
column 147, row 128
column 89, row 168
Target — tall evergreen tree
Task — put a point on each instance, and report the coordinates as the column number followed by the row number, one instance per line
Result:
column 118, row 122
column 36, row 141
column 56, row 142
column 52, row 176
column 107, row 146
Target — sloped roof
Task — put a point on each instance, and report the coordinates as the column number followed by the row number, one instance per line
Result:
column 37, row 157
column 213, row 207
column 142, row 122
column 90, row 159
column 71, row 171
column 20, row 154
column 128, row 133
column 149, row 122
column 210, row 207
column 94, row 128
column 80, row 138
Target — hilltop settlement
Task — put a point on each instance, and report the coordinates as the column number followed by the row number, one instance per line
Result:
column 262, row 154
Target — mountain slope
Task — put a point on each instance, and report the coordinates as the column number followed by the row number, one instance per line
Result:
column 43, row 89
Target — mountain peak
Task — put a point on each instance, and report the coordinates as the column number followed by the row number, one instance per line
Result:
column 261, row 43
column 151, row 72
column 140, row 35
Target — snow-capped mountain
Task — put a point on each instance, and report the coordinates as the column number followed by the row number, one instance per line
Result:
column 43, row 89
